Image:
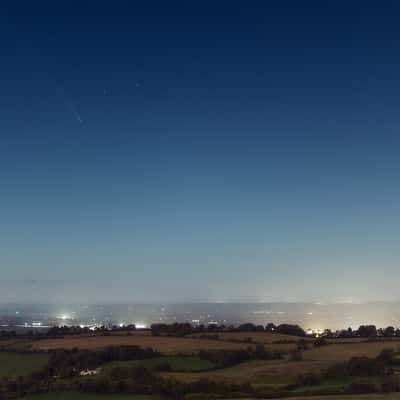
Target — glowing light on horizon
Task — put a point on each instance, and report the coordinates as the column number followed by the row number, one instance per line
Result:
column 64, row 317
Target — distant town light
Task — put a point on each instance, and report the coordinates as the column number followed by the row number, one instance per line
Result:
column 315, row 331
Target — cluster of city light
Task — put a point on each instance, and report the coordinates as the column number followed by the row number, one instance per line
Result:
column 315, row 331
column 38, row 324
column 90, row 327
column 138, row 325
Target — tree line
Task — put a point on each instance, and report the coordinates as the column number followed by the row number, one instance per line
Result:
column 183, row 329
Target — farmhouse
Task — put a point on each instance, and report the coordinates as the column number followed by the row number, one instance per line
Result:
column 88, row 372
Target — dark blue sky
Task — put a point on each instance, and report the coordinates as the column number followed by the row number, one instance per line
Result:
column 200, row 150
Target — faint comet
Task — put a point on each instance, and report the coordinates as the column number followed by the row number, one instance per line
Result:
column 75, row 112
column 68, row 103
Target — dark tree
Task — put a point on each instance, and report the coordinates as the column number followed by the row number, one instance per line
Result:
column 289, row 329
column 367, row 331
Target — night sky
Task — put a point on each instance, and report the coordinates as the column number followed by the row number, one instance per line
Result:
column 199, row 151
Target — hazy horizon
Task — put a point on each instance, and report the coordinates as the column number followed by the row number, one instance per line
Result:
column 100, row 292
column 308, row 315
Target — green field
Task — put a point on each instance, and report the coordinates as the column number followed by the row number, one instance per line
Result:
column 21, row 364
column 270, row 372
column 176, row 363
column 87, row 396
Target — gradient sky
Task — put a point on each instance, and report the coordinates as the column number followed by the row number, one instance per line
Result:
column 183, row 151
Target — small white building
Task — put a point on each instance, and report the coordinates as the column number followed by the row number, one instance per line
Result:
column 88, row 372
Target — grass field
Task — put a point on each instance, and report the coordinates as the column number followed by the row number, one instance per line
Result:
column 342, row 352
column 159, row 343
column 176, row 363
column 88, row 396
column 255, row 371
column 14, row 364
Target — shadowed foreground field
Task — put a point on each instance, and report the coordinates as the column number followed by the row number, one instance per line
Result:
column 88, row 396
column 385, row 396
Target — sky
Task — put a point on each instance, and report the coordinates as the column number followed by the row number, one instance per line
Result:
column 199, row 151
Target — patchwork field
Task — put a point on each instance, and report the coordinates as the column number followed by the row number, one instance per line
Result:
column 284, row 371
column 15, row 364
column 159, row 343
column 179, row 361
